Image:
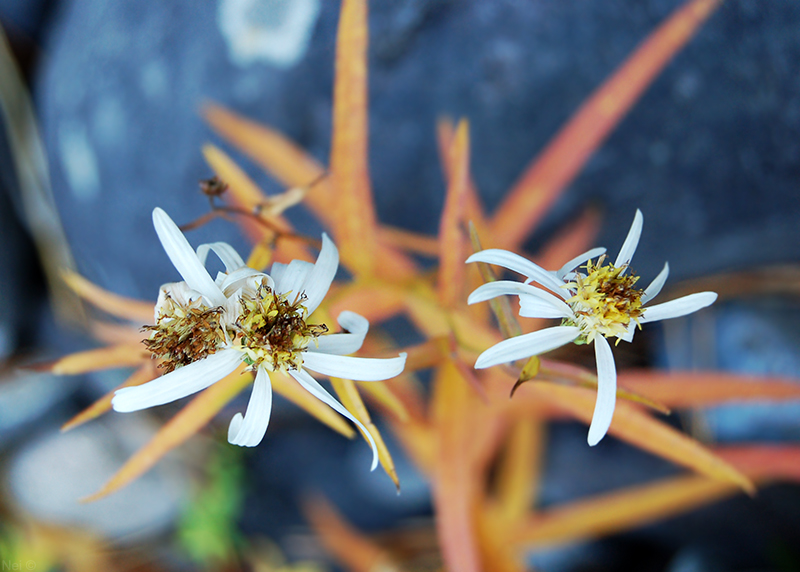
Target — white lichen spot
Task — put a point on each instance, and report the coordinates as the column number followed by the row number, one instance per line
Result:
column 274, row 32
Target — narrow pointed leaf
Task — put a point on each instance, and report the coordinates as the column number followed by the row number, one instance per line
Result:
column 137, row 311
column 451, row 237
column 123, row 355
column 643, row 431
column 566, row 155
column 186, row 423
column 291, row 390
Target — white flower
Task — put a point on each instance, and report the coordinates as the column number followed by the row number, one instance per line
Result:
column 206, row 328
column 594, row 300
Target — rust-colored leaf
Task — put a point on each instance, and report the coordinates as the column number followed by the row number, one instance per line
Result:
column 698, row 389
column 451, row 237
column 408, row 241
column 764, row 462
column 564, row 156
column 349, row 546
column 186, row 423
column 383, row 395
column 142, row 375
column 348, row 394
column 634, row 426
column 519, row 469
column 354, row 212
column 110, row 357
column 619, row 511
column 376, row 302
column 136, row 311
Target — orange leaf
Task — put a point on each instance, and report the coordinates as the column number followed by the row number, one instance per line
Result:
column 454, row 488
column 142, row 375
column 408, row 241
column 620, row 511
column 354, row 212
column 376, row 302
column 520, row 466
column 186, row 423
column 764, row 462
column 382, row 394
column 698, row 389
column 565, row 155
column 347, row 545
column 451, row 237
column 134, row 310
column 641, row 430
column 122, row 355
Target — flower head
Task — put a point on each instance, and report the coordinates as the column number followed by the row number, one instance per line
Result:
column 594, row 299
column 205, row 329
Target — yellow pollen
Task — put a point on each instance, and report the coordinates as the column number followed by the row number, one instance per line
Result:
column 273, row 332
column 604, row 301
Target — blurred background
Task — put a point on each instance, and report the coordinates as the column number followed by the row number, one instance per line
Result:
column 710, row 154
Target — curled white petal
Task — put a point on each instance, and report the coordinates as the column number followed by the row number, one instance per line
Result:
column 184, row 258
column 178, row 383
column 226, row 253
column 680, row 307
column 631, row 241
column 578, row 261
column 536, row 307
column 527, row 345
column 246, row 279
column 319, row 280
column 293, row 277
column 490, row 290
column 248, row 431
column 355, row 368
column 314, row 388
column 346, row 343
column 606, row 391
column 520, row 265
column 656, row 285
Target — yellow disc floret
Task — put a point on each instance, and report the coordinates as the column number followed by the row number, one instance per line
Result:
column 273, row 332
column 604, row 301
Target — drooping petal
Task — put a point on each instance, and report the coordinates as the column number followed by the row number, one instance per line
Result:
column 680, row 307
column 226, row 253
column 319, row 280
column 508, row 287
column 631, row 241
column 520, row 265
column 656, row 285
column 606, row 391
column 293, row 277
column 248, row 431
column 342, row 344
column 578, row 261
column 535, row 307
column 184, row 258
column 527, row 345
column 355, row 368
column 314, row 388
column 178, row 383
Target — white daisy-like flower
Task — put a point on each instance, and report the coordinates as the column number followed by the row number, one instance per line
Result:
column 206, row 328
column 595, row 300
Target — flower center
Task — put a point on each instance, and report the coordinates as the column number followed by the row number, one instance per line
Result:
column 604, row 301
column 274, row 332
column 184, row 333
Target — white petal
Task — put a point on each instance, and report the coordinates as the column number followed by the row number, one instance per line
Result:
column 319, row 279
column 628, row 336
column 178, row 383
column 293, row 277
column 184, row 258
column 578, row 261
column 250, row 430
column 343, row 344
column 355, row 368
column 502, row 287
column 521, row 265
column 656, row 285
column 314, row 388
column 226, row 253
column 277, row 271
column 606, row 391
column 527, row 345
column 246, row 279
column 536, row 307
column 679, row 307
column 631, row 241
